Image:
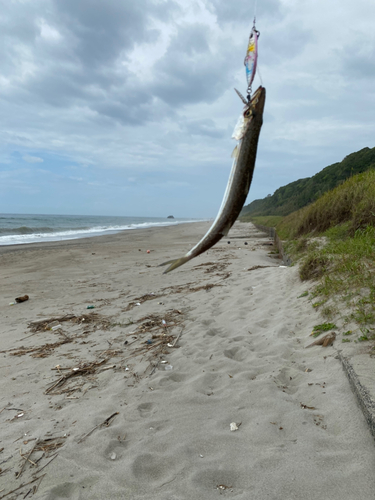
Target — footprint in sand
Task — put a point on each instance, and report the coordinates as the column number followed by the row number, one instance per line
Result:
column 173, row 378
column 155, row 468
column 145, row 409
column 235, row 353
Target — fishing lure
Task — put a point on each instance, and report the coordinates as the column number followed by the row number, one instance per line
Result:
column 251, row 58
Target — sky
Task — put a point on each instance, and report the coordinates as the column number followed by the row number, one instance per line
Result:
column 124, row 107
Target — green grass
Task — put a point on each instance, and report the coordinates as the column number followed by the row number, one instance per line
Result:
column 268, row 220
column 324, row 327
column 333, row 239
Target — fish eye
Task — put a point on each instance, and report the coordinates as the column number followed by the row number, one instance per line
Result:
column 247, row 113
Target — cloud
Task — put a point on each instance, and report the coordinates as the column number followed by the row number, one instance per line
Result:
column 32, row 159
column 140, row 94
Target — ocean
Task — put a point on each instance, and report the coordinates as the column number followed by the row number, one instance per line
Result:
column 18, row 229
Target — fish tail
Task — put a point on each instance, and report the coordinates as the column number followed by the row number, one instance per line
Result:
column 175, row 263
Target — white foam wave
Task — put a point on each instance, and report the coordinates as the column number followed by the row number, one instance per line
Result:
column 20, row 239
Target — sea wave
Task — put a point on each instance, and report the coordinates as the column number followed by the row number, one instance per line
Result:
column 24, row 234
column 28, row 230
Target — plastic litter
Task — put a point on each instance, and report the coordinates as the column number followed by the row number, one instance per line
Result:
column 168, row 367
column 149, row 342
column 52, row 324
column 233, row 426
column 12, row 303
column 148, row 251
column 138, row 304
column 56, row 327
column 113, row 456
column 90, row 307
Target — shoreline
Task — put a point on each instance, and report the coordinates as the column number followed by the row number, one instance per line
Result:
column 109, row 232
column 135, row 398
column 94, row 239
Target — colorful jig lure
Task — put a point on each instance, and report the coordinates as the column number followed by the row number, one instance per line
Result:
column 251, row 58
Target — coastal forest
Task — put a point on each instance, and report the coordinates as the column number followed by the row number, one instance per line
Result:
column 302, row 192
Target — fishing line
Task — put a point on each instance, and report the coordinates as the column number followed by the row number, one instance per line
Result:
column 255, row 10
column 259, row 74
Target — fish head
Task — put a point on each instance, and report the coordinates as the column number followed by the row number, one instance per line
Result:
column 256, row 106
column 252, row 109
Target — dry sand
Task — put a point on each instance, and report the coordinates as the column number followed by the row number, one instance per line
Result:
column 240, row 358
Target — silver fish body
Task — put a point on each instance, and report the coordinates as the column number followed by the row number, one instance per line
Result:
column 239, row 181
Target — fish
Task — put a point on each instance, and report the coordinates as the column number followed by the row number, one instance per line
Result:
column 240, row 178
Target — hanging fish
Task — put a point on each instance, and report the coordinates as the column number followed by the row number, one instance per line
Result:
column 247, row 132
column 251, row 57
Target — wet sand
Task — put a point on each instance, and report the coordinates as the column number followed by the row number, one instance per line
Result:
column 134, row 398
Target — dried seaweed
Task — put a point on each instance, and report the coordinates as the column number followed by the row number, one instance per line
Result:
column 107, row 422
column 97, row 319
column 38, row 352
column 83, row 369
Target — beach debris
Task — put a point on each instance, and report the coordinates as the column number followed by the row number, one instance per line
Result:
column 12, row 303
column 325, row 341
column 46, row 446
column 56, row 327
column 21, row 299
column 35, row 489
column 234, row 426
column 92, row 318
column 222, row 487
column 37, row 352
column 305, row 407
column 53, row 323
column 83, row 369
column 90, row 307
column 107, row 422
column 253, row 268
column 148, row 251
column 169, row 290
column 113, row 456
column 168, row 367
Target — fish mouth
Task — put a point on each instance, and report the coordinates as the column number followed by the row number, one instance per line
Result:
column 259, row 95
column 259, row 98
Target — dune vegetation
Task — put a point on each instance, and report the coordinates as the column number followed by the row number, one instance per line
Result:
column 333, row 240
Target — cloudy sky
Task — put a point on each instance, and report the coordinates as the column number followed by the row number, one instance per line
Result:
column 127, row 107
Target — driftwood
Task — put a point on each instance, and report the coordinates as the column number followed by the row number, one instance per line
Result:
column 325, row 341
column 107, row 422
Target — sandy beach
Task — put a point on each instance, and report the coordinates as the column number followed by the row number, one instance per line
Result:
column 136, row 397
